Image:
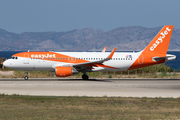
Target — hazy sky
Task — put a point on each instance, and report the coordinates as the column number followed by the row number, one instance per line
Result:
column 63, row 15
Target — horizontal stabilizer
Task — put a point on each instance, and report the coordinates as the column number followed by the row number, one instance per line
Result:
column 168, row 57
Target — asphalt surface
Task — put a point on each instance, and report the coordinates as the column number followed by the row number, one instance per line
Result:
column 93, row 87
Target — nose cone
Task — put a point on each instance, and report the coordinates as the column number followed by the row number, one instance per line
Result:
column 5, row 63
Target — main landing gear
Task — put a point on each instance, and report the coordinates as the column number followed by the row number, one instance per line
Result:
column 26, row 77
column 85, row 77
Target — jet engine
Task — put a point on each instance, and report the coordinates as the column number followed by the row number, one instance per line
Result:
column 65, row 71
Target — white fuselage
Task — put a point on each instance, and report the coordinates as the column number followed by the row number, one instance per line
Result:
column 120, row 61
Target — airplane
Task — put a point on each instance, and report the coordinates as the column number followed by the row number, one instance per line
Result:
column 67, row 63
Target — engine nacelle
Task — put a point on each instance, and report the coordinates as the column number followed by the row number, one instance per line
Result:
column 65, row 71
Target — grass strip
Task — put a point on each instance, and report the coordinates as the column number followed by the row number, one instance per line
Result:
column 18, row 107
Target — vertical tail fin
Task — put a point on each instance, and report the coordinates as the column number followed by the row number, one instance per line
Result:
column 161, row 42
column 157, row 48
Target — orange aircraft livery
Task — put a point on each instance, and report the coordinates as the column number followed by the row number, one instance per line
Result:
column 67, row 63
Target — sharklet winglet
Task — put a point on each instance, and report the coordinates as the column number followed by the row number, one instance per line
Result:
column 112, row 53
column 104, row 50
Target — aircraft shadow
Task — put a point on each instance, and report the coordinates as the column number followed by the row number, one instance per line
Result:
column 50, row 79
column 95, row 80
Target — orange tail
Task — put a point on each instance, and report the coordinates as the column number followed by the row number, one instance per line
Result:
column 161, row 42
column 157, row 48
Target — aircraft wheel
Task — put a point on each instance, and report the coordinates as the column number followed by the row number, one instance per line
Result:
column 85, row 77
column 26, row 77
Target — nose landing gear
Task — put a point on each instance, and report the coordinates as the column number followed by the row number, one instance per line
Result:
column 26, row 77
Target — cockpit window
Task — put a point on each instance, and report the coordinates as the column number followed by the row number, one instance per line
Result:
column 14, row 58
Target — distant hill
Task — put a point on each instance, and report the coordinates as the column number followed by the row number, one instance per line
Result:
column 131, row 38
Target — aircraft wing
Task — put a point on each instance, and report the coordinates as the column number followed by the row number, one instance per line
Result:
column 95, row 63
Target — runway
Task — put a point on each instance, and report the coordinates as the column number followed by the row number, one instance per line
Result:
column 93, row 87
